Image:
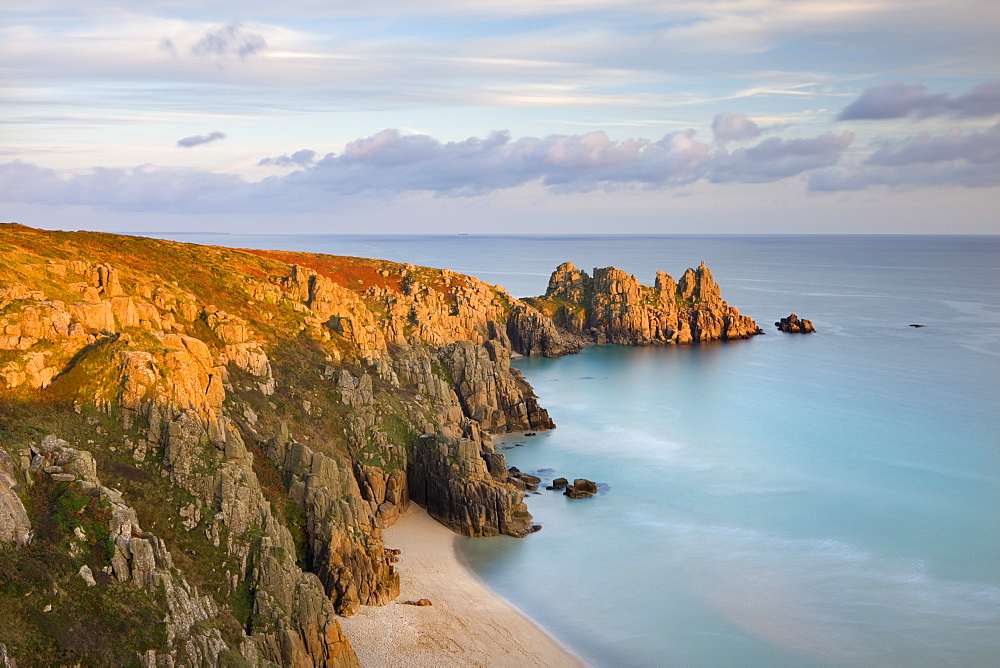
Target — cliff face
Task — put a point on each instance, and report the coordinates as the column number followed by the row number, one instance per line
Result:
column 261, row 418
column 613, row 307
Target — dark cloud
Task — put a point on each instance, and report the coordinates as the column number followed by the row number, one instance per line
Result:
column 955, row 158
column 727, row 127
column 197, row 140
column 774, row 159
column 303, row 158
column 898, row 100
column 232, row 39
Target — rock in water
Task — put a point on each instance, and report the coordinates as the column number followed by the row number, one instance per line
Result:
column 793, row 325
column 581, row 489
column 558, row 483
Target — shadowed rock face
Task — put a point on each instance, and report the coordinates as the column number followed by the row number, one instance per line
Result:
column 451, row 479
column 613, row 307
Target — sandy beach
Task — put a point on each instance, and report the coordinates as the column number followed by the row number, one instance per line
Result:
column 466, row 625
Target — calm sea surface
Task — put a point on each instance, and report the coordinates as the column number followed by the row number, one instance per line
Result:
column 821, row 500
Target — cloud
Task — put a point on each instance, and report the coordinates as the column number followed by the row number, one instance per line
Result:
column 955, row 158
column 196, row 140
column 727, row 127
column 774, row 159
column 391, row 163
column 303, row 158
column 143, row 188
column 232, row 39
column 977, row 147
column 898, row 100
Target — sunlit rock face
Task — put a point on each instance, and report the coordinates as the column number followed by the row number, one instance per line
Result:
column 611, row 306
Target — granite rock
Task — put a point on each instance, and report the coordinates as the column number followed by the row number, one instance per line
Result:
column 613, row 307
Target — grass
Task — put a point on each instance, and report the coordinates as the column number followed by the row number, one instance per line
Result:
column 105, row 625
column 82, row 619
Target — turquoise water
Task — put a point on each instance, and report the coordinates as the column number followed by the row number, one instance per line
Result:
column 821, row 500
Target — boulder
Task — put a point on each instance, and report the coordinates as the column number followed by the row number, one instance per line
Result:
column 581, row 489
column 793, row 325
column 423, row 602
column 87, row 575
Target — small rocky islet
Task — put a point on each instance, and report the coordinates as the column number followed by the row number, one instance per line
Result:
column 794, row 325
column 201, row 446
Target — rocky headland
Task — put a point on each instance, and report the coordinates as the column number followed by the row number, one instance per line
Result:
column 200, row 447
column 611, row 306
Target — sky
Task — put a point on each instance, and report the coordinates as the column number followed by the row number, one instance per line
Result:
column 513, row 116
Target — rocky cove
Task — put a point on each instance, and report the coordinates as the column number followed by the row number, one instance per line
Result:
column 200, row 447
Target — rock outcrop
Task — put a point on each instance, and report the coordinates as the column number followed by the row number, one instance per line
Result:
column 301, row 625
column 613, row 307
column 534, row 335
column 15, row 526
column 794, row 325
column 581, row 489
column 451, row 479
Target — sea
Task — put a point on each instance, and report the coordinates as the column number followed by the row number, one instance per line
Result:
column 829, row 499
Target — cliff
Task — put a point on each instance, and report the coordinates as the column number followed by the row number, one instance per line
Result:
column 613, row 307
column 214, row 439
column 201, row 446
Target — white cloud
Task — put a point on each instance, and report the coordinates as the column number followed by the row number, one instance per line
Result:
column 728, row 127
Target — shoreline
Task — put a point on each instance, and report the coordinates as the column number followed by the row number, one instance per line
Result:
column 466, row 623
